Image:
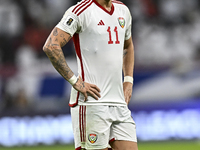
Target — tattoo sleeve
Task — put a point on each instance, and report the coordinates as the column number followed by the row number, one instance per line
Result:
column 55, row 32
column 58, row 60
column 53, row 50
column 124, row 53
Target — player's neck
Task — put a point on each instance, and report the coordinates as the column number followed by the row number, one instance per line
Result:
column 107, row 4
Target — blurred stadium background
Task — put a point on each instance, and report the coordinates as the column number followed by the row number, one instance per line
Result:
column 166, row 97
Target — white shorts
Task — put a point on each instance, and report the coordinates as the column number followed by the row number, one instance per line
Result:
column 95, row 126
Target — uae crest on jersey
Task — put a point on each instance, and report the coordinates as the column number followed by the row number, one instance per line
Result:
column 92, row 138
column 121, row 21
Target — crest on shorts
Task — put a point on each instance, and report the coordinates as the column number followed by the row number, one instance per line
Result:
column 92, row 138
column 121, row 21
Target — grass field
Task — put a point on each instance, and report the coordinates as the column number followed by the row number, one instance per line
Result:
column 173, row 145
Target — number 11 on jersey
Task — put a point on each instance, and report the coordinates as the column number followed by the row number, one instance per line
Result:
column 110, row 36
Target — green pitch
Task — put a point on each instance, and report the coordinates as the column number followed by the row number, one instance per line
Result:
column 192, row 145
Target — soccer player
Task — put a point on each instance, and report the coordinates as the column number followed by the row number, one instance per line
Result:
column 101, row 31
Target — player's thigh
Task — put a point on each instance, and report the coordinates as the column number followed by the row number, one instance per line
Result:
column 76, row 114
column 124, row 145
column 97, row 127
column 91, row 127
column 124, row 128
column 123, row 131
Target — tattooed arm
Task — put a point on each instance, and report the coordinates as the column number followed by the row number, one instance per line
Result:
column 53, row 49
column 128, row 65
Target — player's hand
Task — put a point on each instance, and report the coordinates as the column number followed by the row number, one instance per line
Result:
column 127, row 87
column 87, row 89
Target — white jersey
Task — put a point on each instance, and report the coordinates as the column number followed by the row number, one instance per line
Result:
column 99, row 37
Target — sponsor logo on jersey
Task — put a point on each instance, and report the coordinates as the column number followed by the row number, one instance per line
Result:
column 101, row 23
column 121, row 22
column 69, row 21
column 92, row 138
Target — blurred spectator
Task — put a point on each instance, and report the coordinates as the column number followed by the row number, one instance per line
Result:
column 11, row 19
column 150, row 7
column 35, row 37
column 21, row 102
column 11, row 26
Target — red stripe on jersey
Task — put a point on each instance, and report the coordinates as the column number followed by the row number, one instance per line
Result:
column 78, row 52
column 73, row 105
column 109, row 12
column 80, row 122
column 78, row 148
column 79, row 5
column 82, row 6
column 85, row 8
column 113, row 139
column 84, row 123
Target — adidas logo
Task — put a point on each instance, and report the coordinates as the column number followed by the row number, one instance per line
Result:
column 101, row 23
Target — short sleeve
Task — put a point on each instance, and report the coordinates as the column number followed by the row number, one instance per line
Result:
column 69, row 23
column 128, row 27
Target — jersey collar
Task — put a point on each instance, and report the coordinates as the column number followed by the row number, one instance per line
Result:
column 109, row 12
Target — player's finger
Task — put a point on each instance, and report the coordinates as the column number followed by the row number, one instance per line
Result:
column 93, row 95
column 126, row 97
column 85, row 97
column 95, row 92
column 126, row 100
column 95, row 87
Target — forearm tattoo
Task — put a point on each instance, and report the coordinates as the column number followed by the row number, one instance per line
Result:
column 82, row 86
column 55, row 32
column 56, row 56
column 124, row 53
column 64, row 42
